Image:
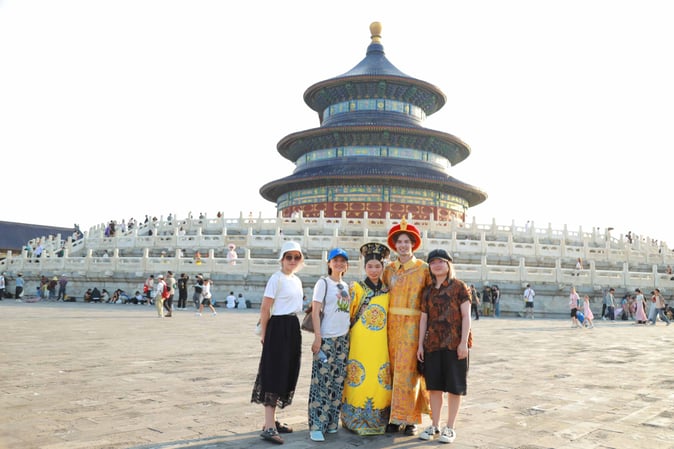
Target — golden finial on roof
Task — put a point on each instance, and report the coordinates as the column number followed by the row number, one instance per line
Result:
column 403, row 224
column 375, row 31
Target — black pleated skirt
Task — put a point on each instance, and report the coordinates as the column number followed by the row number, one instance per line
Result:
column 280, row 362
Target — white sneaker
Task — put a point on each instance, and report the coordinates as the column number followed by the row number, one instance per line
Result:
column 197, row 314
column 447, row 436
column 215, row 313
column 430, row 433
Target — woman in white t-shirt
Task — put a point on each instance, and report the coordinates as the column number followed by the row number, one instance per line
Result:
column 281, row 341
column 330, row 346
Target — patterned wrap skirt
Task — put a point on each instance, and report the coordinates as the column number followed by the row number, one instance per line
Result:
column 327, row 384
column 280, row 362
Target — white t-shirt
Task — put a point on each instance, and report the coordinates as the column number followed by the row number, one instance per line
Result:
column 287, row 293
column 336, row 318
column 242, row 303
column 206, row 291
column 231, row 301
column 160, row 289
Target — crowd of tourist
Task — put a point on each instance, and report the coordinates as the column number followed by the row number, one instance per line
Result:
column 55, row 289
column 634, row 306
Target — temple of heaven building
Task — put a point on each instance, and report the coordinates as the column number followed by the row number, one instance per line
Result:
column 371, row 154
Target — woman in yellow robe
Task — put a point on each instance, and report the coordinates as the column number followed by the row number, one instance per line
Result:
column 367, row 389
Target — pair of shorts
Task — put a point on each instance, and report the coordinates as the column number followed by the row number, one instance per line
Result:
column 444, row 372
column 206, row 301
column 574, row 311
column 529, row 305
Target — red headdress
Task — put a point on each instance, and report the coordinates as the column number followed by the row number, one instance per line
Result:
column 406, row 228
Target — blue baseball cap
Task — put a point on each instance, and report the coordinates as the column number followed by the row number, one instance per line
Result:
column 337, row 252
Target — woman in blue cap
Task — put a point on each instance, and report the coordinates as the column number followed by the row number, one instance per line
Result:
column 330, row 346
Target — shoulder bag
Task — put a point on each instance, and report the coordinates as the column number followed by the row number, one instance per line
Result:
column 307, row 322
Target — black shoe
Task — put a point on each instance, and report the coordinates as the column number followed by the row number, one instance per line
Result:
column 392, row 428
column 411, row 430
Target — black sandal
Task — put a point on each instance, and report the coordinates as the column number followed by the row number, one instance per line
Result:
column 411, row 429
column 272, row 435
column 392, row 428
column 283, row 428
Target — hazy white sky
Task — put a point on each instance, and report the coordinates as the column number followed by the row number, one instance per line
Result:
column 567, row 105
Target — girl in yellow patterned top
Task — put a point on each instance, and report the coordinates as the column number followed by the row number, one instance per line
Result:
column 367, row 389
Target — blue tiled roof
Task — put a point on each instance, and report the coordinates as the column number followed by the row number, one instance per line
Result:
column 416, row 174
column 374, row 63
column 14, row 236
column 389, row 82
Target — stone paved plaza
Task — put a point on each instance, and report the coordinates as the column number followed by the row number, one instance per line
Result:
column 90, row 376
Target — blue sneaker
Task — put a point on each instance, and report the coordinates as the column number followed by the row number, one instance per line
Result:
column 316, row 435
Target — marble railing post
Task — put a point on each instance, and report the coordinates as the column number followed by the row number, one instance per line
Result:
column 656, row 278
column 559, row 276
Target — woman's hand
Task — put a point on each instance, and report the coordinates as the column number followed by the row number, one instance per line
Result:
column 316, row 345
column 462, row 350
column 420, row 353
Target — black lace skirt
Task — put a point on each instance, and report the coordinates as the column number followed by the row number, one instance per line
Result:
column 280, row 362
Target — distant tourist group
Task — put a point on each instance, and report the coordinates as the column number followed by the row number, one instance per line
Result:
column 632, row 307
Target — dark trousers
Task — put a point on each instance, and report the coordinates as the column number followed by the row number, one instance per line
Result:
column 475, row 309
column 182, row 299
column 603, row 310
column 168, row 303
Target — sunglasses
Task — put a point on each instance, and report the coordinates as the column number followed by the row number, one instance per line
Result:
column 342, row 291
column 290, row 257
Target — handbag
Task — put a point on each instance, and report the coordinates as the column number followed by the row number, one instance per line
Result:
column 307, row 322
